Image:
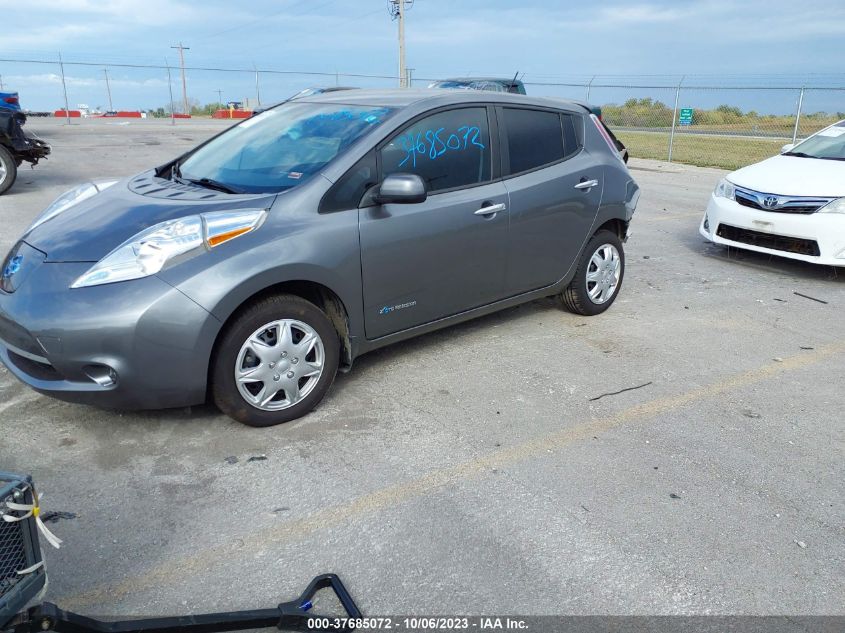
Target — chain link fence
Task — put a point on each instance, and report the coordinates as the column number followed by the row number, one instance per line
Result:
column 710, row 126
column 725, row 126
column 48, row 86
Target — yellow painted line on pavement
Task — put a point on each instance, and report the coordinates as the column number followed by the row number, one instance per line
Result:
column 177, row 570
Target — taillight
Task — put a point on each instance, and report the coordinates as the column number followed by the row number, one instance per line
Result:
column 600, row 127
column 11, row 100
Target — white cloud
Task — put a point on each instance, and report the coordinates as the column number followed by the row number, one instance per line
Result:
column 641, row 13
column 26, row 81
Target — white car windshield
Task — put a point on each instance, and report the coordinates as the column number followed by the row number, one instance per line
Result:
column 828, row 144
column 279, row 148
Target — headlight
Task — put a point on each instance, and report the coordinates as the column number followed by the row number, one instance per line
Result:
column 834, row 206
column 724, row 190
column 147, row 252
column 70, row 198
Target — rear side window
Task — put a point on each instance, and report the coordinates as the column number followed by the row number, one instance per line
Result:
column 449, row 149
column 534, row 137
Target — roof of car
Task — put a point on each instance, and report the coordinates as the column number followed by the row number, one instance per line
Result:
column 435, row 97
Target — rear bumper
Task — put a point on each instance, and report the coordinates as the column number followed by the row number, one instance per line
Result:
column 133, row 345
column 818, row 238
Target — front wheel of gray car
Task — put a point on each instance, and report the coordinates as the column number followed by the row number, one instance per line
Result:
column 599, row 276
column 275, row 362
column 8, row 170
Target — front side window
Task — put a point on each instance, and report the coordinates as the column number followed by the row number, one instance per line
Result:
column 449, row 149
column 280, row 148
column 535, row 138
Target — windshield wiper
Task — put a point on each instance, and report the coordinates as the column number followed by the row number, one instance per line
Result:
column 798, row 154
column 208, row 183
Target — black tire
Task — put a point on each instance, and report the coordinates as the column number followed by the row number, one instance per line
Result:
column 10, row 167
column 576, row 297
column 224, row 389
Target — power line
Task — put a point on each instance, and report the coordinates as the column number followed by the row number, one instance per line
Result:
column 166, row 66
column 264, row 18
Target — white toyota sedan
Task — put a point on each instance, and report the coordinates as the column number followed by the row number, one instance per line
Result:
column 792, row 205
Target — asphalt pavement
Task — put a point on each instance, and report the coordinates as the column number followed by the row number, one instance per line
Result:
column 485, row 468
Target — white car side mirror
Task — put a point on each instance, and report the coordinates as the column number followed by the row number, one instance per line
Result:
column 787, row 148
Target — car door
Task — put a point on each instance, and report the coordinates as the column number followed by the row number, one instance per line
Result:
column 425, row 261
column 554, row 190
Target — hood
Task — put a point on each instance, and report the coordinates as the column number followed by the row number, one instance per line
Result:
column 794, row 176
column 93, row 228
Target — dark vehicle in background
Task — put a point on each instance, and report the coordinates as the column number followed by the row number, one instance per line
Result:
column 10, row 101
column 16, row 147
column 254, row 267
column 308, row 92
column 494, row 84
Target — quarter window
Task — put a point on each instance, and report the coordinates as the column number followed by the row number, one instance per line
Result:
column 570, row 137
column 535, row 138
column 347, row 192
column 449, row 149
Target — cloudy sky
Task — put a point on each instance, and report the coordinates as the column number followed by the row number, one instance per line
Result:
column 712, row 41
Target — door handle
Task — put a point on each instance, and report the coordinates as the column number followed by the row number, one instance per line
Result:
column 587, row 184
column 491, row 209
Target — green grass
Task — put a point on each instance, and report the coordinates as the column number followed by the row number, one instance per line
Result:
column 725, row 152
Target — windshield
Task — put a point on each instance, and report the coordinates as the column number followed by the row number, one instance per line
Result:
column 280, row 148
column 829, row 144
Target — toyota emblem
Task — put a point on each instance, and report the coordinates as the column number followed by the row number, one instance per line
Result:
column 770, row 202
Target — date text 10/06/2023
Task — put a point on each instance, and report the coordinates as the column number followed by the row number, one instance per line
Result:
column 435, row 143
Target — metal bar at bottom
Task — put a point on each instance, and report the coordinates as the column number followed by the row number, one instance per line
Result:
column 50, row 617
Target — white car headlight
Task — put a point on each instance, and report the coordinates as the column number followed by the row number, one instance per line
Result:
column 70, row 198
column 147, row 252
column 834, row 206
column 724, row 189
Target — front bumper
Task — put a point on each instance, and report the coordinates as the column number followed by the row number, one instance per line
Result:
column 140, row 344
column 818, row 238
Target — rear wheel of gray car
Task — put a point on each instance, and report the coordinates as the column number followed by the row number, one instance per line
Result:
column 599, row 276
column 8, row 170
column 275, row 362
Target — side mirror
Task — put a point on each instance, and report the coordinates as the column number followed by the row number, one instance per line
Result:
column 787, row 148
column 401, row 189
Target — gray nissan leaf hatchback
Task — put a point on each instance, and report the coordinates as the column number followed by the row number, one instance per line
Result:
column 252, row 268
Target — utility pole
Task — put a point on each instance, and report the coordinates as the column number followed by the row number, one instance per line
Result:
column 108, row 88
column 397, row 11
column 403, row 78
column 182, row 50
column 1, row 82
column 170, row 88
column 219, row 96
column 64, row 89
